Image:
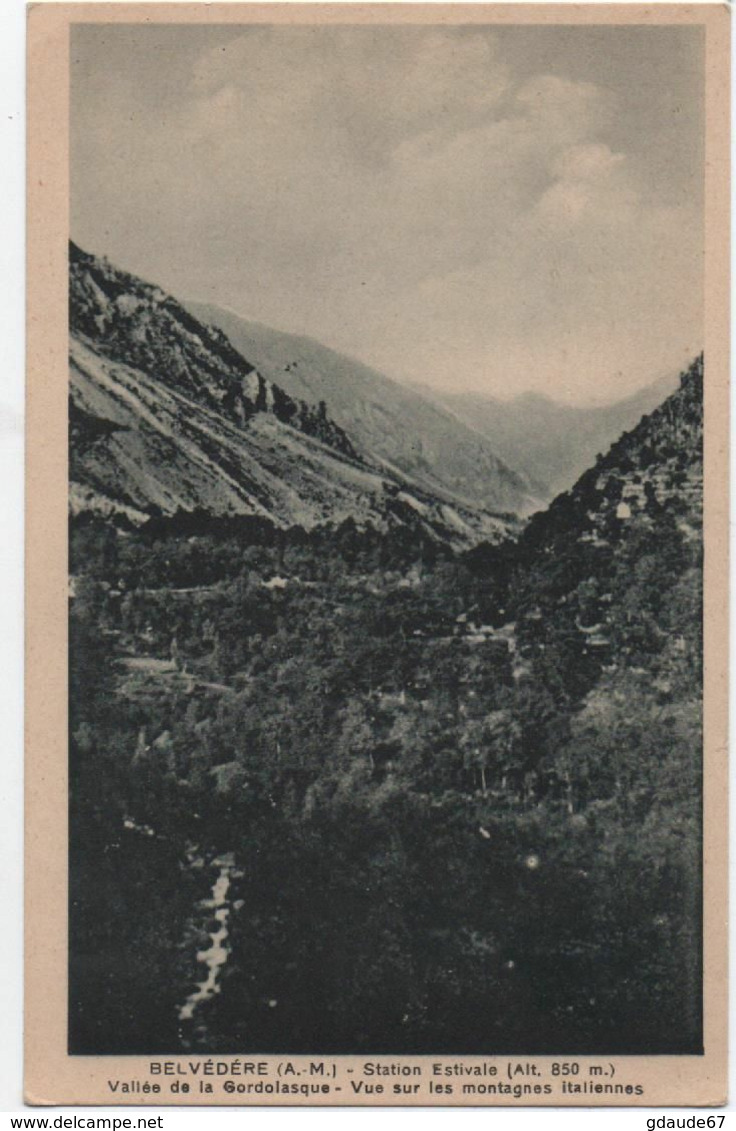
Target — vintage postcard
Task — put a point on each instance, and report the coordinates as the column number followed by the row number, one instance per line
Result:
column 377, row 554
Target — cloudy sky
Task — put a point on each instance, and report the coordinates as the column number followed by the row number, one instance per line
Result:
column 507, row 209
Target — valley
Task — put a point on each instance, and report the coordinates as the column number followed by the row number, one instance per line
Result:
column 360, row 767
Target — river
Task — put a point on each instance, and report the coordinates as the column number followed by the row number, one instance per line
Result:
column 213, row 957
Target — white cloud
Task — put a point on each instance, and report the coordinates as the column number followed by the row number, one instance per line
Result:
column 405, row 196
column 565, row 110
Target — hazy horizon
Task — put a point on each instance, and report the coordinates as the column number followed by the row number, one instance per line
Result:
column 498, row 210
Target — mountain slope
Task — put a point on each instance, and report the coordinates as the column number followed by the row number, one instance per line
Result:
column 550, row 443
column 611, row 573
column 655, row 468
column 393, row 425
column 600, row 738
column 167, row 416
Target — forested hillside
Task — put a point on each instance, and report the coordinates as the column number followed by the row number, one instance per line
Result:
column 422, row 800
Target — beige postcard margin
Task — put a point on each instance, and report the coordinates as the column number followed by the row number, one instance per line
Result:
column 54, row 1077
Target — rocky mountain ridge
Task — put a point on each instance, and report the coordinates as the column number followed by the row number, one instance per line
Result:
column 393, row 425
column 137, row 323
column 167, row 416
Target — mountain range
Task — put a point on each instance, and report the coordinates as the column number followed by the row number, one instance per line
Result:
column 167, row 416
column 392, row 424
column 189, row 407
column 510, row 454
column 551, row 444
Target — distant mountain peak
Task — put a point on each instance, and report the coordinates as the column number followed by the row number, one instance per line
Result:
column 552, row 443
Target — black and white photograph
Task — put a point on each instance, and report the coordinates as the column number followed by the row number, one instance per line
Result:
column 385, row 546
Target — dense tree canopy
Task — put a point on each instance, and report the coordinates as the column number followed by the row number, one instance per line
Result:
column 462, row 793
